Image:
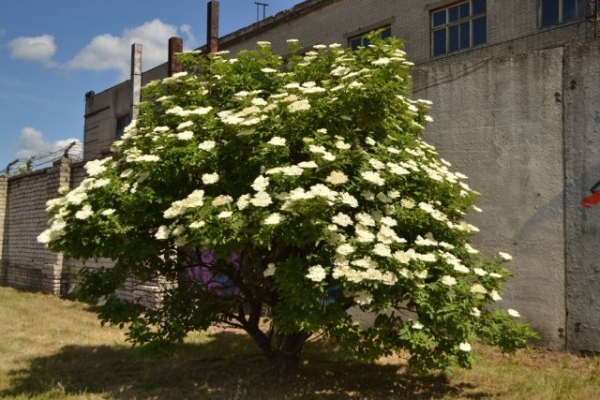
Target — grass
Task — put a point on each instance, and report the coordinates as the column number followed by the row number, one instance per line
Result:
column 55, row 349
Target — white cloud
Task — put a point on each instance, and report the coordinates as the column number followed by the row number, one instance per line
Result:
column 31, row 142
column 33, row 48
column 190, row 41
column 108, row 52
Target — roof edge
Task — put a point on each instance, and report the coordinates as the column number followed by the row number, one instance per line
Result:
column 299, row 10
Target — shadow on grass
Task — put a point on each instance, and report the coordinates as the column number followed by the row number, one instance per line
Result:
column 226, row 367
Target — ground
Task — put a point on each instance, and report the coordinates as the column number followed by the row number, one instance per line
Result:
column 55, row 349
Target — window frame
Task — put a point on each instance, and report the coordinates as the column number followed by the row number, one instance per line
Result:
column 121, row 123
column 454, row 31
column 580, row 13
column 359, row 34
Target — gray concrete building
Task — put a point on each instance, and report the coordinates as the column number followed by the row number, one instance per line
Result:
column 516, row 108
column 434, row 32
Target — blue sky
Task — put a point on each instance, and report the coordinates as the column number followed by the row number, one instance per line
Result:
column 53, row 52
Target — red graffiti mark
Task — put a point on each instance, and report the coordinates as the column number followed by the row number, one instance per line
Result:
column 592, row 199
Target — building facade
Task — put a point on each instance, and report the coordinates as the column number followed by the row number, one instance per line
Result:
column 516, row 108
column 434, row 33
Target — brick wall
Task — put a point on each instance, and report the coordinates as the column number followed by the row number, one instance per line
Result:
column 29, row 265
column 26, row 263
column 3, row 197
column 513, row 27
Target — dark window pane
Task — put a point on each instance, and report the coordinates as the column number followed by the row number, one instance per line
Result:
column 354, row 43
column 569, row 10
column 582, row 8
column 386, row 33
column 439, row 18
column 479, row 6
column 453, row 14
column 453, row 42
column 365, row 42
column 550, row 12
column 122, row 123
column 470, row 32
column 439, row 42
column 479, row 31
column 465, row 39
column 464, row 10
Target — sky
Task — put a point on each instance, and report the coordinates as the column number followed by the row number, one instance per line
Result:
column 53, row 52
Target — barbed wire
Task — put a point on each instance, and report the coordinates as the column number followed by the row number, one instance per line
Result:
column 24, row 165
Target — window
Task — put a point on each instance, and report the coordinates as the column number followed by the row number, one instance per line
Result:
column 122, row 122
column 554, row 12
column 460, row 26
column 362, row 41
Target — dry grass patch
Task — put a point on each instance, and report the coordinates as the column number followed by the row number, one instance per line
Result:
column 55, row 349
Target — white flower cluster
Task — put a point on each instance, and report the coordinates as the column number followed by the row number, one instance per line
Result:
column 337, row 178
column 179, row 207
column 270, row 270
column 316, row 273
column 209, row 179
column 277, row 141
column 177, row 110
column 207, row 145
column 96, row 167
column 274, row 219
column 85, row 212
column 373, row 177
column 247, row 116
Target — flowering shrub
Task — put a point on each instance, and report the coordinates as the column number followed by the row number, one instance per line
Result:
column 313, row 172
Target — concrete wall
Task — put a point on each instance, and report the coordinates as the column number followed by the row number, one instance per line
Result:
column 509, row 141
column 582, row 145
column 101, row 113
column 156, row 73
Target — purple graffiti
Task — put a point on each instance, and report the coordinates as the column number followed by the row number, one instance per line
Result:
column 218, row 283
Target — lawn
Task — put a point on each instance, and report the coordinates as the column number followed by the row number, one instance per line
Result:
column 55, row 349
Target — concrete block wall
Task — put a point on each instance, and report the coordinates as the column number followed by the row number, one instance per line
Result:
column 509, row 141
column 24, row 257
column 513, row 27
column 544, row 39
column 147, row 293
column 3, row 203
column 336, row 21
column 26, row 263
column 58, row 178
column 29, row 265
column 71, row 267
